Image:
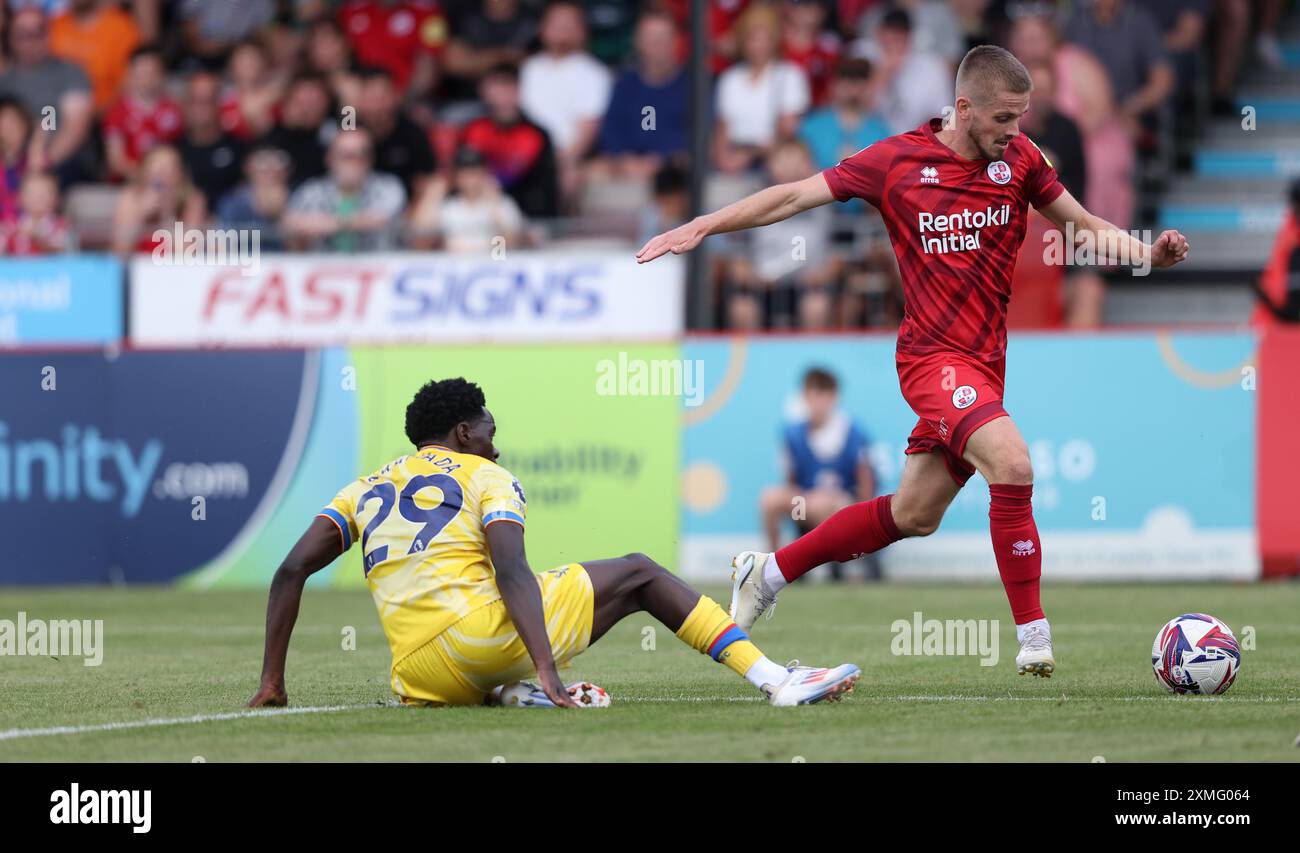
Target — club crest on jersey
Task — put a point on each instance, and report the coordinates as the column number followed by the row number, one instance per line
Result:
column 929, row 175
column 963, row 397
column 999, row 172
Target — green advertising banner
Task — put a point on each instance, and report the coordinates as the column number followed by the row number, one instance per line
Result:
column 595, row 450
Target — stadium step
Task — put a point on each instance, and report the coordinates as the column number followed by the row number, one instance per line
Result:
column 1275, row 102
column 1248, row 159
column 1227, row 132
column 1225, row 251
column 1190, row 302
column 1225, row 217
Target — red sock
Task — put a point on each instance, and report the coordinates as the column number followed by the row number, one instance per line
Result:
column 853, row 531
column 1017, row 548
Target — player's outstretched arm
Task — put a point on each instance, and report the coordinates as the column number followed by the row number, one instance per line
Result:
column 523, row 598
column 315, row 550
column 762, row 208
column 1067, row 214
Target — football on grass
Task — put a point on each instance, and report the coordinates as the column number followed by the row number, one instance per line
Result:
column 526, row 694
column 1196, row 653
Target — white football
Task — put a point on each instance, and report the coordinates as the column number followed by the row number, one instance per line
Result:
column 1196, row 653
column 526, row 694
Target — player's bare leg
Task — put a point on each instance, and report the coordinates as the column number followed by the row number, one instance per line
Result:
column 626, row 585
column 774, row 508
column 998, row 451
column 924, row 494
column 925, row 491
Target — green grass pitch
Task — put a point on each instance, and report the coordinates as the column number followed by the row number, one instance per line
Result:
column 172, row 654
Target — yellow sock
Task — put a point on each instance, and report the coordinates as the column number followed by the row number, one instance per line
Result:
column 709, row 630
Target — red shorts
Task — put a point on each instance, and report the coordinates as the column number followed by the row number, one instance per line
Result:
column 954, row 395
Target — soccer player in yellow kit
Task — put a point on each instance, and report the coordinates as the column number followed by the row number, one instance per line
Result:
column 441, row 533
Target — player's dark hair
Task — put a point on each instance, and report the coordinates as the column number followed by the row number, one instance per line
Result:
column 439, row 406
column 988, row 69
column 821, row 379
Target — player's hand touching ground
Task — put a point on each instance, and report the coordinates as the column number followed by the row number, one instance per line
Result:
column 1168, row 249
column 681, row 239
column 269, row 696
column 555, row 690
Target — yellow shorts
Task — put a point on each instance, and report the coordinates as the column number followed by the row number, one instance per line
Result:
column 483, row 649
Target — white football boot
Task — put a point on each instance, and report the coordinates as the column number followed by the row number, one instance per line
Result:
column 806, row 685
column 1036, row 652
column 750, row 596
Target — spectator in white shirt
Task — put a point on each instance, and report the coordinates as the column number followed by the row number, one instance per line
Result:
column 566, row 90
column 759, row 99
column 479, row 218
column 936, row 27
column 915, row 86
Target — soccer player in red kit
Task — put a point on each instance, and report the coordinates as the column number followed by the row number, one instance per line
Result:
column 955, row 199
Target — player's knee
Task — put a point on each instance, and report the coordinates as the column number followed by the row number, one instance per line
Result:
column 642, row 568
column 1014, row 469
column 915, row 521
column 773, row 499
column 825, row 503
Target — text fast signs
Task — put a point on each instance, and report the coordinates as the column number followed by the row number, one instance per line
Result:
column 316, row 300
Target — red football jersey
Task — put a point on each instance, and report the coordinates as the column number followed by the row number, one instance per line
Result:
column 956, row 226
column 142, row 126
column 392, row 35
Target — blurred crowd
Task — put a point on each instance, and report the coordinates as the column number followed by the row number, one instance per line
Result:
column 468, row 125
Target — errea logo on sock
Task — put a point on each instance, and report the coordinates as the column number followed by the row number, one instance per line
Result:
column 1023, row 548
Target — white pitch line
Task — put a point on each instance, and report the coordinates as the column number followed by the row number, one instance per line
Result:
column 13, row 734
column 859, row 696
column 1230, row 699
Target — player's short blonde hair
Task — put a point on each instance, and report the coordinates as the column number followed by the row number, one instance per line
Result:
column 988, row 70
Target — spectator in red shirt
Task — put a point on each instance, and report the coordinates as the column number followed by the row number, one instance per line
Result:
column 518, row 151
column 806, row 43
column 143, row 117
column 722, row 29
column 250, row 104
column 159, row 196
column 403, row 36
column 15, row 144
column 39, row 228
column 1278, row 288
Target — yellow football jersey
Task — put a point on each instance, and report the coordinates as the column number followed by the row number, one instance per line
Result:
column 421, row 520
